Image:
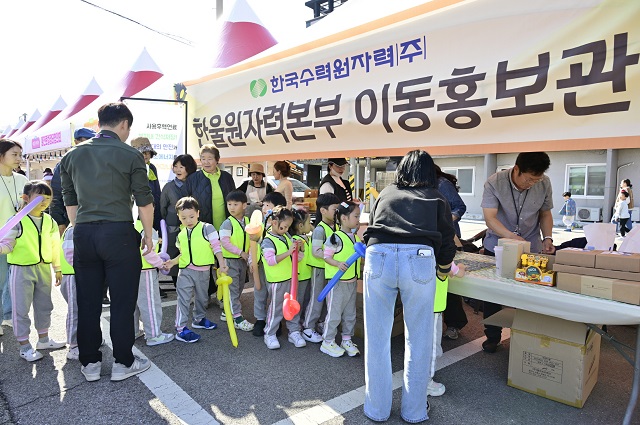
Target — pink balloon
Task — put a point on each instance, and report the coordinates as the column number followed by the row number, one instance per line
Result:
column 19, row 216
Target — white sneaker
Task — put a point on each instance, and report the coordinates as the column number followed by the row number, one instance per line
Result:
column 435, row 389
column 245, row 325
column 271, row 341
column 332, row 349
column 312, row 336
column 120, row 371
column 296, row 339
column 160, row 339
column 7, row 322
column 31, row 355
column 223, row 317
column 50, row 345
column 91, row 371
column 350, row 347
column 74, row 353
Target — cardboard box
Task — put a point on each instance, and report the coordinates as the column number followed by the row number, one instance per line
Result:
column 553, row 358
column 587, row 271
column 512, row 250
column 601, row 287
column 616, row 260
column 577, row 257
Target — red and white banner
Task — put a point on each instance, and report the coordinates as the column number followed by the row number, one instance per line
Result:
column 450, row 76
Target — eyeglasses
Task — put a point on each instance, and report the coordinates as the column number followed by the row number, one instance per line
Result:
column 531, row 180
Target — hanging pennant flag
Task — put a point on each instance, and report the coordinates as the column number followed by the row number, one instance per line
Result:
column 91, row 93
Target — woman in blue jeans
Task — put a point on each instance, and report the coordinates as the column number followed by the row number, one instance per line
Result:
column 409, row 245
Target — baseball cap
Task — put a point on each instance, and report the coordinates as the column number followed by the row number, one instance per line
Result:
column 84, row 133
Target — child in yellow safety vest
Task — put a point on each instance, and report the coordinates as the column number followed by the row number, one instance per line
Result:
column 341, row 300
column 300, row 230
column 326, row 205
column 277, row 247
column 33, row 247
column 235, row 249
column 149, row 306
column 199, row 246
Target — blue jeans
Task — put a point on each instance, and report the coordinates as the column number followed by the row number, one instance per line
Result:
column 5, row 293
column 391, row 269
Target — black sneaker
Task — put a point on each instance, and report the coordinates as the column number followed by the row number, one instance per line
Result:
column 258, row 328
column 105, row 302
column 490, row 346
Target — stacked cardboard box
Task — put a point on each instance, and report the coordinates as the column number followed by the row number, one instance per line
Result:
column 603, row 274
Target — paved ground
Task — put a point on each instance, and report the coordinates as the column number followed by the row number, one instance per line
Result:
column 211, row 382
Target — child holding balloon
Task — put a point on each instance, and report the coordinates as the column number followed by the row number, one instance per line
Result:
column 235, row 249
column 149, row 307
column 277, row 247
column 325, row 226
column 33, row 247
column 300, row 230
column 199, row 246
column 341, row 300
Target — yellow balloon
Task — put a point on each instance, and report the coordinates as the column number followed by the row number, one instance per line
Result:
column 223, row 289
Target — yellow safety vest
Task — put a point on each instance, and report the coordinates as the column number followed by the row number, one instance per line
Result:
column 440, row 299
column 195, row 248
column 65, row 267
column 281, row 272
column 304, row 269
column 33, row 247
column 319, row 262
column 342, row 256
column 145, row 263
column 239, row 237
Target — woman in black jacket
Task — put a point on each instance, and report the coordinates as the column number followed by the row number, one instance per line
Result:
column 409, row 245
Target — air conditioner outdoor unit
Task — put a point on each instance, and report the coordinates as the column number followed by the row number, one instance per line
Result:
column 589, row 214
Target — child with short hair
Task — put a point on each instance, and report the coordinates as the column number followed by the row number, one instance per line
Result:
column 235, row 249
column 199, row 246
column 277, row 247
column 568, row 211
column 149, row 306
column 326, row 205
column 341, row 300
column 622, row 212
column 33, row 247
column 269, row 202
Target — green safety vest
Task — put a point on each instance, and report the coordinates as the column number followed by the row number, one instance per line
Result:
column 33, row 247
column 195, row 248
column 319, row 262
column 145, row 263
column 304, row 269
column 65, row 267
column 342, row 256
column 281, row 272
column 239, row 237
column 440, row 299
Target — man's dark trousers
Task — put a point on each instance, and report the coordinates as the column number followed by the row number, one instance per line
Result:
column 106, row 252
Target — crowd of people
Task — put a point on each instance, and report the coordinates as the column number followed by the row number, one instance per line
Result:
column 91, row 242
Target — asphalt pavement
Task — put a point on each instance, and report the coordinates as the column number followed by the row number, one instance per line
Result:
column 211, row 382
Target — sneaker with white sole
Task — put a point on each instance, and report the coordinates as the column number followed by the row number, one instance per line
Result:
column 31, row 355
column 350, row 347
column 312, row 336
column 160, row 339
column 204, row 323
column 91, row 371
column 452, row 333
column 74, row 353
column 435, row 389
column 120, row 372
column 223, row 317
column 245, row 325
column 271, row 341
column 187, row 335
column 332, row 349
column 297, row 340
column 50, row 345
column 7, row 322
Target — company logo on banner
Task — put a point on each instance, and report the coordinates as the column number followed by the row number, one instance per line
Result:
column 474, row 78
column 163, row 124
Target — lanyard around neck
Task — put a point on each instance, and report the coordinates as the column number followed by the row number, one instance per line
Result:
column 515, row 206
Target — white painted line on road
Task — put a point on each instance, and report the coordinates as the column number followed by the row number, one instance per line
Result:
column 353, row 399
column 166, row 390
